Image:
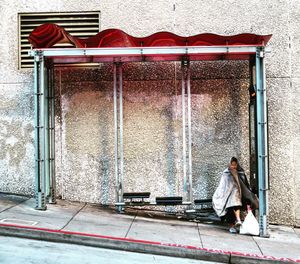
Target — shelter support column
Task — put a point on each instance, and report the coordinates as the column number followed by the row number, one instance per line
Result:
column 262, row 142
column 186, row 127
column 51, row 111
column 118, row 126
column 39, row 129
column 46, row 131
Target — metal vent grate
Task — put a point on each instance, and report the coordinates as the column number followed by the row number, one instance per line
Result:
column 79, row 24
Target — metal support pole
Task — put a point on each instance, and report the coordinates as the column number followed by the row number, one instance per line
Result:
column 46, row 131
column 118, row 121
column 40, row 132
column 186, row 89
column 52, row 197
column 37, row 131
column 121, row 133
column 116, row 132
column 183, row 127
column 262, row 144
column 190, row 178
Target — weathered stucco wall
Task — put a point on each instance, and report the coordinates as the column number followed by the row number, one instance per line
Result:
column 152, row 105
column 295, row 97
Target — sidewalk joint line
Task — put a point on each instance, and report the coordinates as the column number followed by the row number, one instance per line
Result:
column 297, row 235
column 199, row 235
column 14, row 205
column 131, row 224
column 257, row 246
column 73, row 216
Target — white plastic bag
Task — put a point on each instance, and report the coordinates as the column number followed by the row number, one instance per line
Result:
column 250, row 225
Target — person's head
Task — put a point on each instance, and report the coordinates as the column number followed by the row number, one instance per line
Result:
column 233, row 163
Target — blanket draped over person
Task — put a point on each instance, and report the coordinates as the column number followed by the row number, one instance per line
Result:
column 233, row 190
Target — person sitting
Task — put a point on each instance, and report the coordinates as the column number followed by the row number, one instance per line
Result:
column 232, row 194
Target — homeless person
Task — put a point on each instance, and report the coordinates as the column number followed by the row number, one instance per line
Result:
column 232, row 195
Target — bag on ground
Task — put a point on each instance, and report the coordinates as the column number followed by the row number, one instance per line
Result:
column 250, row 225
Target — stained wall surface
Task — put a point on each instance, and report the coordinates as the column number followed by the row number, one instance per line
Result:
column 152, row 105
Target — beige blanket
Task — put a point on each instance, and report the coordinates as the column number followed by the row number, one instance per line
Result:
column 227, row 194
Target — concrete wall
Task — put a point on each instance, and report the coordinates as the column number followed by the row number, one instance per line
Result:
column 152, row 105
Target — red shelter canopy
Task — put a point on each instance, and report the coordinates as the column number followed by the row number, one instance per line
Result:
column 47, row 35
column 150, row 48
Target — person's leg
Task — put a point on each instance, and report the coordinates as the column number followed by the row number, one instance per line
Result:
column 230, row 219
column 237, row 213
column 230, row 216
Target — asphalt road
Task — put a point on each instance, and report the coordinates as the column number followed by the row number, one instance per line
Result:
column 20, row 250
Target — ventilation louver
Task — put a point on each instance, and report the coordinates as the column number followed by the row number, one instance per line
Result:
column 79, row 24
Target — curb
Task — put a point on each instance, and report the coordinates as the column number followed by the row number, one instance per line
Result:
column 134, row 245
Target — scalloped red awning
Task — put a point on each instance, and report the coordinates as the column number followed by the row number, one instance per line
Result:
column 47, row 35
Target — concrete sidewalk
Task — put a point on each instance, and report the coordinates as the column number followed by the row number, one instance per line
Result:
column 94, row 225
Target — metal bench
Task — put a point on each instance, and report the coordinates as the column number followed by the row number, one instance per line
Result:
column 171, row 200
column 203, row 203
column 136, row 198
column 203, row 211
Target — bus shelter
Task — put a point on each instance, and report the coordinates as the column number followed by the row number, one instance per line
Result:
column 116, row 47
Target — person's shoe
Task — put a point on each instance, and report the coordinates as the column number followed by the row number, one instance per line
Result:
column 232, row 230
column 238, row 223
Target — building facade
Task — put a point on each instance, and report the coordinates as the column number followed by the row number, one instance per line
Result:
column 84, row 134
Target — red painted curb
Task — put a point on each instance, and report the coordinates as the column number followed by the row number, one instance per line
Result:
column 131, row 240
